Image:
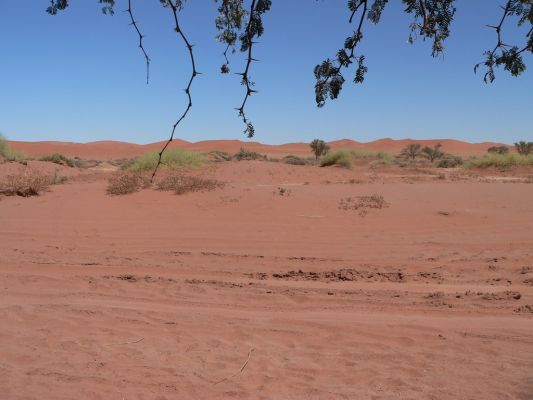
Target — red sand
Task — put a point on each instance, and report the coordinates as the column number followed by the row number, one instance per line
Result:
column 157, row 296
column 108, row 150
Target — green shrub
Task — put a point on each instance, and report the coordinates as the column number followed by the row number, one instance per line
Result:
column 498, row 149
column 171, row 158
column 500, row 161
column 341, row 158
column 450, row 161
column 248, row 155
column 58, row 159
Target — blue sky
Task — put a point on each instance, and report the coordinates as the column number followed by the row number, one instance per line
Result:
column 79, row 77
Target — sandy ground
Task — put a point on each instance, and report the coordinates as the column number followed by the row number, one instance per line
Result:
column 243, row 292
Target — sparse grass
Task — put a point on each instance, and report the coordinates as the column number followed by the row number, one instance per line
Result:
column 363, row 203
column 171, row 158
column 122, row 183
column 26, row 184
column 60, row 159
column 181, row 184
column 219, row 156
column 243, row 154
column 501, row 161
column 9, row 154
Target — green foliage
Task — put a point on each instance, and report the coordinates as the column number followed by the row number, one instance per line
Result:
column 319, row 148
column 171, row 158
column 243, row 154
column 500, row 161
column 498, row 149
column 411, row 151
column 450, row 161
column 524, row 148
column 58, row 159
column 432, row 153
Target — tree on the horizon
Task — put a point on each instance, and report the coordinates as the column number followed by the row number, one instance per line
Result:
column 524, row 148
column 411, row 151
column 319, row 148
column 240, row 23
column 432, row 153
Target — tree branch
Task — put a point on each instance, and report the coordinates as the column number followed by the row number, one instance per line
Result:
column 194, row 73
column 134, row 23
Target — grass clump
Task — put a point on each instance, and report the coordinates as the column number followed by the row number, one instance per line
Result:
column 58, row 158
column 171, row 158
column 294, row 160
column 450, row 161
column 26, row 184
column 122, row 183
column 219, row 156
column 340, row 158
column 501, row 161
column 363, row 203
column 243, row 154
column 9, row 154
column 181, row 184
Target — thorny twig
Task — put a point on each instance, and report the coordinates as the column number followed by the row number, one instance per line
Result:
column 141, row 36
column 194, row 73
column 240, row 370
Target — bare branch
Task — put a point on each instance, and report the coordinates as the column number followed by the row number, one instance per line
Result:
column 134, row 23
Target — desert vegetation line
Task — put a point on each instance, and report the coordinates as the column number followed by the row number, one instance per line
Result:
column 431, row 20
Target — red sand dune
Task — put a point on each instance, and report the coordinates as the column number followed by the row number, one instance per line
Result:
column 107, row 150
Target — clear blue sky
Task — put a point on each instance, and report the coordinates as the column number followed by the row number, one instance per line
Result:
column 79, row 76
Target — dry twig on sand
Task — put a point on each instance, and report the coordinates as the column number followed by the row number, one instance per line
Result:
column 131, row 342
column 240, row 370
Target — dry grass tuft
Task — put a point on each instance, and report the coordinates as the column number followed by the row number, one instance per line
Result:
column 26, row 184
column 181, row 184
column 363, row 203
column 126, row 182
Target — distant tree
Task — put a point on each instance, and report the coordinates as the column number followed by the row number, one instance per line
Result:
column 432, row 153
column 524, row 148
column 411, row 151
column 498, row 149
column 319, row 148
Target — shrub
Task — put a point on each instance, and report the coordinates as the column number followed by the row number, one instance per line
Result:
column 171, row 158
column 450, row 161
column 243, row 154
column 524, row 148
column 319, row 148
column 432, row 153
column 411, row 151
column 219, row 156
column 122, row 183
column 293, row 160
column 28, row 183
column 58, row 159
column 363, row 203
column 181, row 184
column 341, row 158
column 500, row 161
column 498, row 149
